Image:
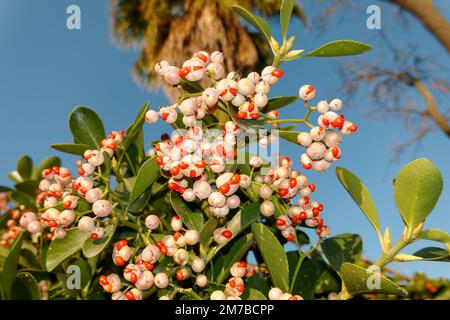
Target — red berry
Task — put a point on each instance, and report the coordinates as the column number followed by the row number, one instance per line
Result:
column 120, row 244
column 235, row 179
column 225, row 188
column 280, row 222
column 278, row 73
column 103, row 280
column 227, row 234
column 312, row 187
column 119, row 261
column 183, row 72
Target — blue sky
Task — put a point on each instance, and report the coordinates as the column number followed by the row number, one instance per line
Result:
column 46, row 70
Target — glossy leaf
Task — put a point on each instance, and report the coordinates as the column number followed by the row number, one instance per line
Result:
column 342, row 248
column 23, row 198
column 279, row 102
column 206, row 234
column 136, row 127
column 192, row 219
column 304, row 277
column 259, row 282
column 237, row 252
column 290, row 136
column 91, row 247
column 436, row 235
column 253, row 294
column 432, row 254
column 259, row 23
column 10, row 264
column 60, row 249
column 285, row 15
column 417, row 188
column 240, row 221
column 147, row 174
column 339, row 48
column 25, row 167
column 356, row 280
column 273, row 254
column 25, row 287
column 359, row 193
column 71, row 148
column 86, row 127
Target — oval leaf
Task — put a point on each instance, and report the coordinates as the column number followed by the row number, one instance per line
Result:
column 303, row 275
column 194, row 220
column 279, row 102
column 23, row 198
column 86, row 127
column 71, row 148
column 417, row 188
column 91, row 247
column 432, row 254
column 285, row 15
column 290, row 136
column 25, row 167
column 342, row 248
column 25, row 287
column 273, row 254
column 9, row 270
column 436, row 235
column 147, row 174
column 339, row 48
column 60, row 249
column 359, row 193
column 357, row 281
column 259, row 23
column 237, row 251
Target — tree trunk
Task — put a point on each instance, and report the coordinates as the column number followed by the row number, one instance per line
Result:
column 432, row 19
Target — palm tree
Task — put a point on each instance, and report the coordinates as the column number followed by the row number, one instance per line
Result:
column 174, row 29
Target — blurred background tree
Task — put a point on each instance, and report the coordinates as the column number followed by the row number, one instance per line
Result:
column 172, row 30
column 407, row 80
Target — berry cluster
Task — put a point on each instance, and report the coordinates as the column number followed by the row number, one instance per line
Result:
column 289, row 184
column 322, row 141
column 247, row 94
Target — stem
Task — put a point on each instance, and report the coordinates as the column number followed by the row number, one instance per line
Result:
column 391, row 253
column 276, row 61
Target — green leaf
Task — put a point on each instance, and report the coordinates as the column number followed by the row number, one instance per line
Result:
column 192, row 219
column 285, row 15
column 359, row 193
column 71, row 148
column 28, row 186
column 290, row 136
column 240, row 221
column 273, row 254
column 49, row 163
column 91, row 247
column 136, row 128
column 339, row 48
column 147, row 174
column 342, row 248
column 253, row 294
column 60, row 249
column 25, row 287
column 86, row 127
column 303, row 282
column 5, row 189
column 25, row 167
column 356, row 280
column 238, row 250
column 433, row 254
column 436, row 235
column 279, row 102
column 259, row 23
column 259, row 282
column 23, row 198
column 9, row 270
column 206, row 234
column 417, row 188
